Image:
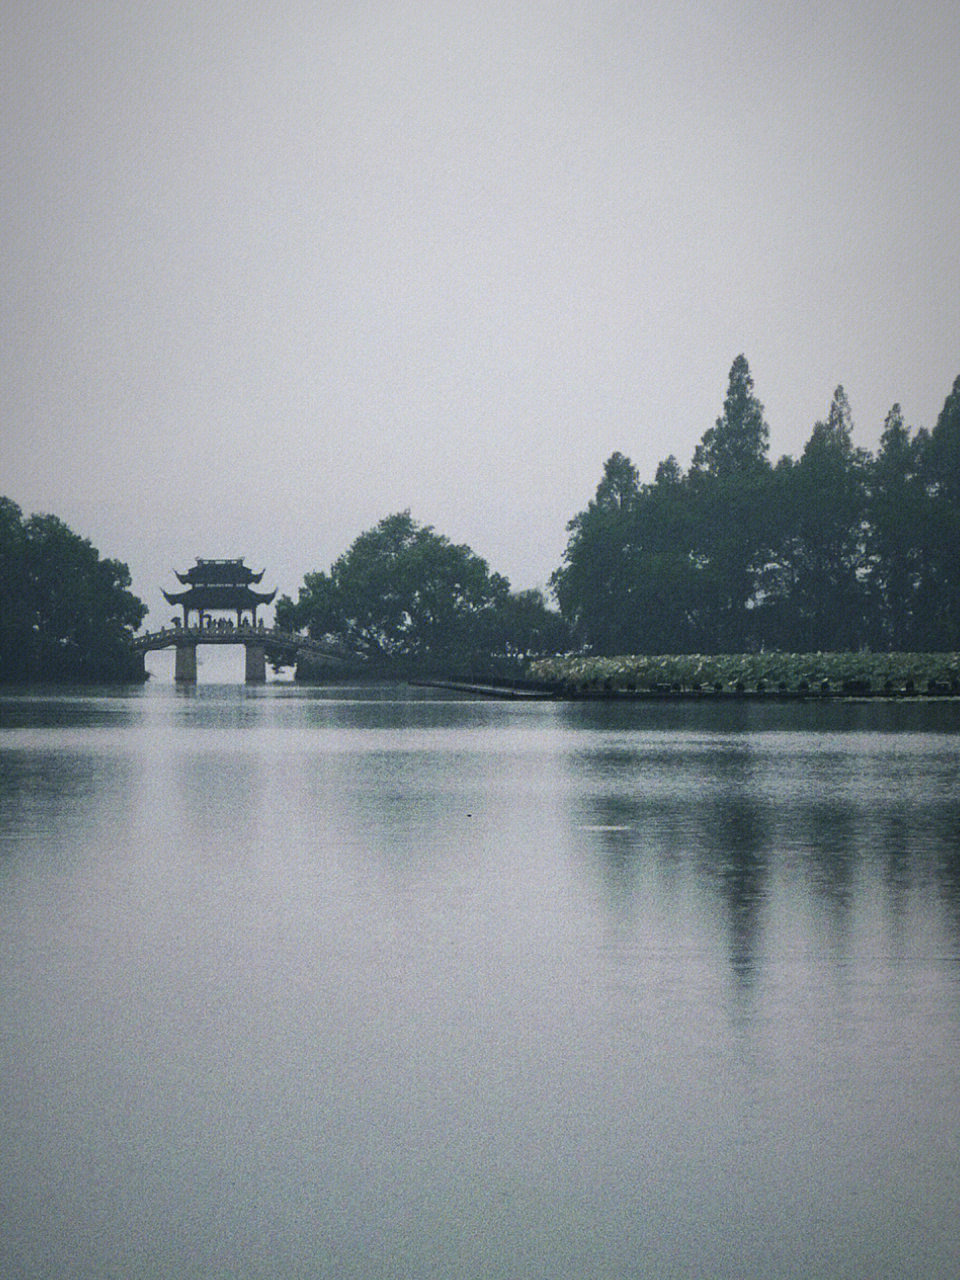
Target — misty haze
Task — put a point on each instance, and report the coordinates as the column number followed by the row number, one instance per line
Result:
column 479, row 641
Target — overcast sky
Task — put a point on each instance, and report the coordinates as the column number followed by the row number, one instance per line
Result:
column 272, row 271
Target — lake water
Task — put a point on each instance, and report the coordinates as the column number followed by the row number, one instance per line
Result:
column 348, row 983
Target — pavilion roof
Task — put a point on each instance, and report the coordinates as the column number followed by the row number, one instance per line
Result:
column 223, row 573
column 219, row 596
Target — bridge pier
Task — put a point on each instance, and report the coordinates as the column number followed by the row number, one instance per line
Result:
column 286, row 647
column 185, row 668
column 256, row 662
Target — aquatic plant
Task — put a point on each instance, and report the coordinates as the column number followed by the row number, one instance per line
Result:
column 859, row 672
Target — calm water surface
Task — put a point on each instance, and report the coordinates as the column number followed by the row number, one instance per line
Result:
column 377, row 984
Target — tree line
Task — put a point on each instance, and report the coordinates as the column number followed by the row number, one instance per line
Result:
column 65, row 613
column 839, row 549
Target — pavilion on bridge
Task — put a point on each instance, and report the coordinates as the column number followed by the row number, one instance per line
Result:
column 219, row 586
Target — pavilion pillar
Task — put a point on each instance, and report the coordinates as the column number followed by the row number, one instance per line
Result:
column 256, row 664
column 185, row 668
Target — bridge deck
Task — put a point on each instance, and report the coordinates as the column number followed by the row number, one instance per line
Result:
column 273, row 638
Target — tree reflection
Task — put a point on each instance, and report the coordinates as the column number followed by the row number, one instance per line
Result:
column 735, row 847
column 782, row 844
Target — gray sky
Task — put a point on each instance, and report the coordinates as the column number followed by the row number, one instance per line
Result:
column 275, row 270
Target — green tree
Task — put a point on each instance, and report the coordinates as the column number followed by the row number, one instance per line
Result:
column 896, row 520
column 15, row 633
column 940, row 466
column 597, row 584
column 776, row 596
column 828, row 545
column 668, row 575
column 730, row 492
column 403, row 597
column 835, row 550
column 67, row 614
column 525, row 628
column 737, row 445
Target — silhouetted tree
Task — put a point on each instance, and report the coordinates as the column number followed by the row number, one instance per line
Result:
column 16, row 635
column 669, row 600
column 729, row 487
column 525, row 627
column 896, row 522
column 737, row 445
column 65, row 614
column 827, row 549
column 404, row 597
column 596, row 586
column 940, row 467
column 835, row 550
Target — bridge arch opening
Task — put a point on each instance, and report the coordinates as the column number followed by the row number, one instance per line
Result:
column 216, row 664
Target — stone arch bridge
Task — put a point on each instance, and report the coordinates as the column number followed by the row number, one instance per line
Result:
column 286, row 646
column 217, row 587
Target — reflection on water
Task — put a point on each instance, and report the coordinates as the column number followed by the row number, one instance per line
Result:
column 370, row 983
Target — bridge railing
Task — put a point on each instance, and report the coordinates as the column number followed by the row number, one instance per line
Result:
column 223, row 631
column 220, row 626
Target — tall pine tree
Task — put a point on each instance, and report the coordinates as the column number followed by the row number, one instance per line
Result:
column 940, row 591
column 729, row 483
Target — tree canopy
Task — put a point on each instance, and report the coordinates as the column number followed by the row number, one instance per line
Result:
column 65, row 613
column 737, row 444
column 404, row 598
column 837, row 549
